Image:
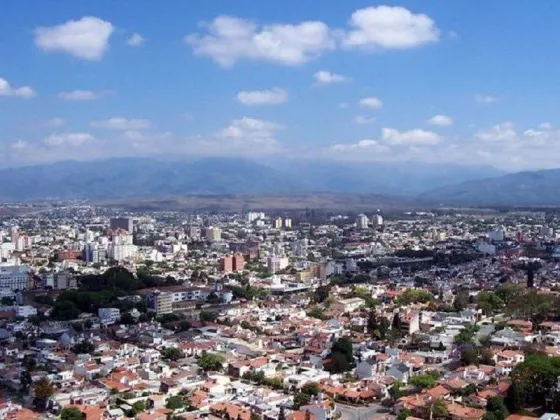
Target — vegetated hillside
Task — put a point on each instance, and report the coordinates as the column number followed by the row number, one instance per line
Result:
column 145, row 177
column 529, row 188
column 390, row 178
column 133, row 177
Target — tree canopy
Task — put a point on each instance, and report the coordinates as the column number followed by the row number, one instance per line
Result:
column 211, row 361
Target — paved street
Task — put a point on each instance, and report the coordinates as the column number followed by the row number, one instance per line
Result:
column 361, row 413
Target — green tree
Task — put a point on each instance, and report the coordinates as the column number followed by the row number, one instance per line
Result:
column 71, row 413
column 497, row 406
column 255, row 416
column 489, row 302
column 396, row 390
column 515, row 398
column 43, row 390
column 83, row 347
column 423, row 381
column 310, row 388
column 211, row 362
column 175, row 402
column 172, row 353
column 301, row 399
column 469, row 357
column 404, row 414
column 138, row 407
column 461, row 300
column 342, row 356
column 437, row 409
column 127, row 319
column 282, row 414
column 6, row 301
column 208, row 316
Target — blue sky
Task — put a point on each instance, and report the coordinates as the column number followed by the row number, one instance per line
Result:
column 358, row 80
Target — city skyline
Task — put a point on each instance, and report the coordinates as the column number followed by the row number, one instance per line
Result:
column 368, row 81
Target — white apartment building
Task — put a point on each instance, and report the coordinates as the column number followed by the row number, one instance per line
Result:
column 15, row 277
column 109, row 315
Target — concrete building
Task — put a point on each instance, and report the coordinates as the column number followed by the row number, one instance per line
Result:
column 124, row 223
column 276, row 263
column 362, row 221
column 109, row 315
column 213, row 234
column 238, row 262
column 60, row 281
column 288, row 223
column 226, row 264
column 160, row 302
column 121, row 247
column 377, row 220
column 348, row 305
column 15, row 277
column 278, row 223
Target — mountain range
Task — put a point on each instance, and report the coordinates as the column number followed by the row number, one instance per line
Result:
column 428, row 183
column 145, row 177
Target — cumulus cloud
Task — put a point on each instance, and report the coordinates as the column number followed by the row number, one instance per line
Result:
column 273, row 96
column 229, row 39
column 371, row 102
column 135, row 40
column 361, row 119
column 385, row 27
column 324, row 77
column 68, row 139
column 86, row 38
column 84, row 95
column 20, row 92
column 440, row 120
column 417, row 137
column 251, row 130
column 485, row 99
column 497, row 133
column 366, row 144
column 119, row 123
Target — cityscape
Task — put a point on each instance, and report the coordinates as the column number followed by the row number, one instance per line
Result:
column 256, row 210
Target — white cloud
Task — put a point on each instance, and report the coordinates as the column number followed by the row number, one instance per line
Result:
column 87, row 38
column 68, row 139
column 273, row 96
column 324, row 77
column 485, row 99
column 371, row 102
column 20, row 144
column 361, row 119
column 83, row 95
column 440, row 120
column 367, row 144
column 229, row 39
column 416, row 137
column 497, row 133
column 545, row 126
column 55, row 122
column 250, row 130
column 119, row 123
column 385, row 27
column 21, row 92
column 135, row 40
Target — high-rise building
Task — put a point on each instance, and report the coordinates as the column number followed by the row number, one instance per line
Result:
column 362, row 221
column 377, row 220
column 288, row 223
column 278, row 223
column 194, row 233
column 276, row 263
column 226, row 264
column 213, row 234
column 15, row 277
column 121, row 247
column 160, row 302
column 238, row 262
column 124, row 223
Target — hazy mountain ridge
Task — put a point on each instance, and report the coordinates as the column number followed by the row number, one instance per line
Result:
column 145, row 177
column 527, row 188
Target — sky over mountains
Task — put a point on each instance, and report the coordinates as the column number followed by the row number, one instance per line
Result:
column 397, row 81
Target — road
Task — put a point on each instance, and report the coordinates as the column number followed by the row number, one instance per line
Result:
column 485, row 331
column 359, row 413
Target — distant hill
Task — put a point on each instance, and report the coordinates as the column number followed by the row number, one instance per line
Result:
column 529, row 188
column 144, row 177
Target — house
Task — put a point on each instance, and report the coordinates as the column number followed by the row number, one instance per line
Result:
column 347, row 305
column 366, row 369
column 464, row 412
